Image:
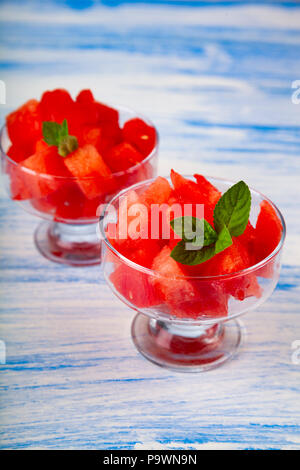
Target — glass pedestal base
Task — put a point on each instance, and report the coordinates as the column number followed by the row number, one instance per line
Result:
column 185, row 348
column 75, row 245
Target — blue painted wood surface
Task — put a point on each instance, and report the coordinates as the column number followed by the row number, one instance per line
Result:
column 216, row 79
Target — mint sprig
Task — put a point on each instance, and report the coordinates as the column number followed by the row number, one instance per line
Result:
column 200, row 242
column 196, row 231
column 233, row 209
column 58, row 135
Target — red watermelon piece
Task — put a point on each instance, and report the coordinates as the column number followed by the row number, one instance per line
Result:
column 268, row 231
column 209, row 191
column 211, row 301
column 169, row 283
column 188, row 192
column 186, row 298
column 140, row 134
column 56, row 105
column 16, row 153
column 92, row 174
column 235, row 258
column 134, row 286
column 94, row 112
column 37, row 182
column 158, row 192
column 40, row 145
column 123, row 156
column 24, row 125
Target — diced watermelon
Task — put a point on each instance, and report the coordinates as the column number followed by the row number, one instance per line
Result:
column 40, row 145
column 111, row 135
column 134, row 286
column 235, row 258
column 93, row 112
column 140, row 134
column 106, row 114
column 169, row 281
column 130, row 236
column 209, row 191
column 85, row 97
column 144, row 252
column 123, row 156
column 211, row 301
column 268, row 231
column 68, row 201
column 56, row 105
column 24, row 125
column 247, row 239
column 37, row 183
column 16, row 153
column 158, row 192
column 188, row 192
column 93, row 175
column 243, row 287
column 186, row 298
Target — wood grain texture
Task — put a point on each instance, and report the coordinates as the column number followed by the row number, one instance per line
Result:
column 216, row 80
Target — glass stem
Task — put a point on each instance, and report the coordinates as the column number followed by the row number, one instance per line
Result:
column 70, row 234
column 185, row 331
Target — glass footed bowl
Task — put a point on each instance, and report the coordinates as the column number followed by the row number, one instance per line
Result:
column 70, row 233
column 183, row 335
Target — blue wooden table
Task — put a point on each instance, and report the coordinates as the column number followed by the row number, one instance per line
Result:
column 216, row 78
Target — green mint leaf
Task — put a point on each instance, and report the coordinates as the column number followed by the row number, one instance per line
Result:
column 184, row 255
column 198, row 231
column 191, row 257
column 51, row 132
column 233, row 209
column 67, row 145
column 63, row 132
column 58, row 135
column 224, row 240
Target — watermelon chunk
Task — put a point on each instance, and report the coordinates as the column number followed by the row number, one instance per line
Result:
column 24, row 125
column 268, row 231
column 188, row 192
column 158, row 192
column 186, row 298
column 16, row 153
column 211, row 301
column 169, row 284
column 40, row 145
column 56, row 105
column 131, row 238
column 93, row 176
column 123, row 156
column 90, row 135
column 134, row 286
column 209, row 191
column 94, row 112
column 235, row 258
column 140, row 134
column 37, row 183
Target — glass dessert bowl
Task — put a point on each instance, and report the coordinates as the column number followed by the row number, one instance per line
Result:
column 71, row 203
column 187, row 322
